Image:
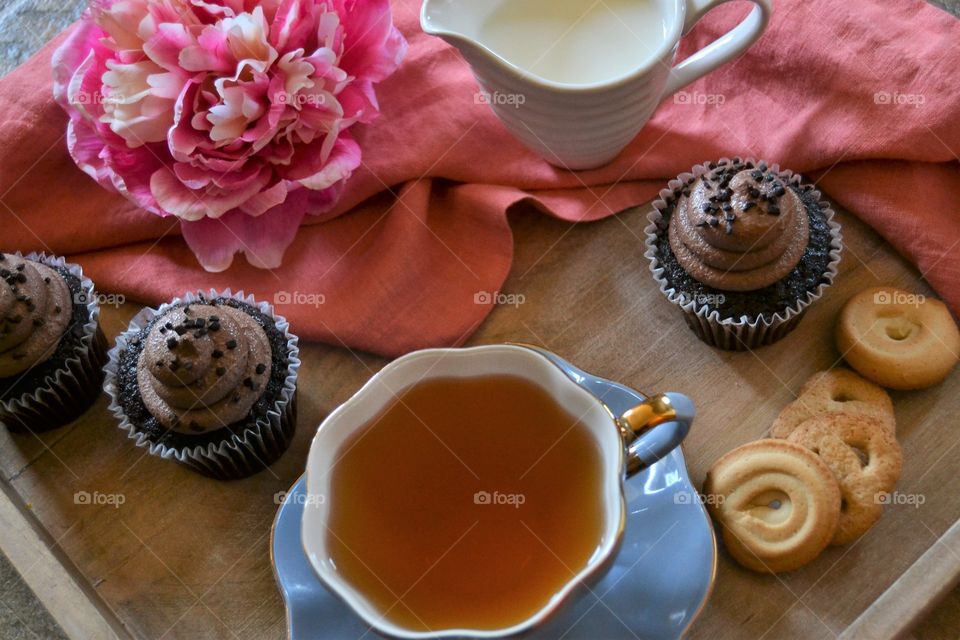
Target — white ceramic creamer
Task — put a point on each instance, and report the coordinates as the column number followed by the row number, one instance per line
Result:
column 576, row 80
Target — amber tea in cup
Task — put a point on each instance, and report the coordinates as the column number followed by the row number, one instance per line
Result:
column 466, row 503
column 471, row 493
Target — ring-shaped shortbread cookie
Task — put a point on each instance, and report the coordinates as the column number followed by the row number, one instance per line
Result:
column 777, row 504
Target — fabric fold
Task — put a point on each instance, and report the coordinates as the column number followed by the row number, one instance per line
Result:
column 861, row 95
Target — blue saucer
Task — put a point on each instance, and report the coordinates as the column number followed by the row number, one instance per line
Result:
column 658, row 584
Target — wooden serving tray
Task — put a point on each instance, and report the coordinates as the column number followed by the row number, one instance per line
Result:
column 187, row 557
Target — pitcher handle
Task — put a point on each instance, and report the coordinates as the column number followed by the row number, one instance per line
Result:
column 654, row 428
column 720, row 51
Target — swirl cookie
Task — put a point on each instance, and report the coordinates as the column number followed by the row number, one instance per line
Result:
column 865, row 460
column 777, row 502
column 832, row 391
column 898, row 339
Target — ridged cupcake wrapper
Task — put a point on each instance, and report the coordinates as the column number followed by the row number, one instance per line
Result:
column 72, row 388
column 736, row 334
column 236, row 457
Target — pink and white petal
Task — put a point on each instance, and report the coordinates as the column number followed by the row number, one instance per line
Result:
column 310, row 159
column 166, row 43
column 214, row 11
column 182, row 138
column 130, row 172
column 263, row 239
column 292, row 24
column 321, row 203
column 373, row 48
column 266, row 200
column 344, row 159
column 189, row 204
column 84, row 93
column 212, row 242
column 85, row 147
column 69, row 55
column 359, row 102
column 210, row 53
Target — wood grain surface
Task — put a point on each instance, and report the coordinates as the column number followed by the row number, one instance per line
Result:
column 187, row 557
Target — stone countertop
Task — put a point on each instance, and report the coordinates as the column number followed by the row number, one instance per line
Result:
column 25, row 26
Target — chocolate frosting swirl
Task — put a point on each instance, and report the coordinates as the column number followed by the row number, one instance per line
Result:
column 35, row 310
column 739, row 228
column 203, row 367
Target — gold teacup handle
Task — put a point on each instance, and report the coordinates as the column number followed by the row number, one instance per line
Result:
column 654, row 428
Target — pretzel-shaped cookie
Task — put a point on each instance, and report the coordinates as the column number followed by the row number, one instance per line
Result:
column 777, row 503
column 840, row 439
column 831, row 391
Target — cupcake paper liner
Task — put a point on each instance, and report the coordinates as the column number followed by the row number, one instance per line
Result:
column 240, row 455
column 70, row 390
column 736, row 334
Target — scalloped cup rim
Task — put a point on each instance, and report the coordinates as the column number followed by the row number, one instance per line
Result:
column 356, row 411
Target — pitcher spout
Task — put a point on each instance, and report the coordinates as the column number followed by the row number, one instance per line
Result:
column 455, row 21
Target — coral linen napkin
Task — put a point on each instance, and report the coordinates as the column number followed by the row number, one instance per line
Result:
column 861, row 93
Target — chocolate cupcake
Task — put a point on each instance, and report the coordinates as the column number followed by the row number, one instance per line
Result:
column 743, row 249
column 51, row 347
column 207, row 380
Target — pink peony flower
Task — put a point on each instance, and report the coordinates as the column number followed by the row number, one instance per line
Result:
column 232, row 115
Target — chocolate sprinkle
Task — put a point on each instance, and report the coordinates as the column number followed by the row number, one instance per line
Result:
column 231, row 344
column 172, row 343
column 217, row 353
column 765, row 302
column 261, row 368
column 156, row 432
